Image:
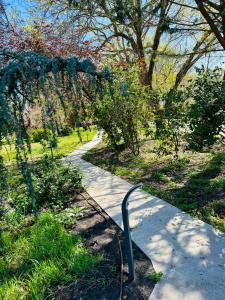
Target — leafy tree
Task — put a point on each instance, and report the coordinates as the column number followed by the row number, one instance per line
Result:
column 43, row 35
column 134, row 30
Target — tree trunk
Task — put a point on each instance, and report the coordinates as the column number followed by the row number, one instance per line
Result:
column 158, row 34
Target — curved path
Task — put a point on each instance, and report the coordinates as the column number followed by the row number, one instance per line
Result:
column 189, row 252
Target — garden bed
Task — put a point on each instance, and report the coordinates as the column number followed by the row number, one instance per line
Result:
column 70, row 252
column 108, row 280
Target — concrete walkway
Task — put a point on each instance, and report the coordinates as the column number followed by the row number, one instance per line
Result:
column 189, row 252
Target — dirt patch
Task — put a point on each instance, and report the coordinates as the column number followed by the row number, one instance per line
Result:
column 108, row 280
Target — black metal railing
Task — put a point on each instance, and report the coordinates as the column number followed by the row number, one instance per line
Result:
column 127, row 236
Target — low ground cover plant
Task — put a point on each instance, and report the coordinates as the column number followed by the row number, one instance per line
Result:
column 53, row 185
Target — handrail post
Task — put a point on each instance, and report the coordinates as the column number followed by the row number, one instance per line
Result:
column 127, row 239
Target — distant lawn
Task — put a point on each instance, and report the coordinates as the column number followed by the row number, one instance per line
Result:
column 66, row 145
column 195, row 182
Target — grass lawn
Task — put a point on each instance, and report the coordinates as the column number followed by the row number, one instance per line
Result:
column 195, row 182
column 65, row 146
column 36, row 258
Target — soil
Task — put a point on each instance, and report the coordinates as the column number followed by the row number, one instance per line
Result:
column 109, row 279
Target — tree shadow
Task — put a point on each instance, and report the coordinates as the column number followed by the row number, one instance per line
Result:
column 198, row 192
column 189, row 252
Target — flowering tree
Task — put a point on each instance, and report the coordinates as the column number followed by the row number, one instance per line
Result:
column 44, row 36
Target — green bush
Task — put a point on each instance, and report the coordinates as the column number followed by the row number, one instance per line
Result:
column 65, row 131
column 123, row 110
column 170, row 123
column 207, row 111
column 37, row 135
column 53, row 182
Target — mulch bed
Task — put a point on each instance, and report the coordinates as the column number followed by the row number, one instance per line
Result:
column 108, row 280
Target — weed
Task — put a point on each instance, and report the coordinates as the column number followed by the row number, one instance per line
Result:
column 124, row 171
column 69, row 215
column 218, row 182
column 156, row 276
column 159, row 176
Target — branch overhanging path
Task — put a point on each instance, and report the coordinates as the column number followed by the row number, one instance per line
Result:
column 189, row 252
column 29, row 78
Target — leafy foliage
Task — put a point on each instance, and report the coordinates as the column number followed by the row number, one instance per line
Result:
column 124, row 114
column 170, row 122
column 156, row 276
column 3, row 183
column 28, row 75
column 207, row 111
column 65, row 131
column 53, row 185
column 37, row 135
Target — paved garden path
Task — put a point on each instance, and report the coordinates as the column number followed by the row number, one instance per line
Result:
column 189, row 252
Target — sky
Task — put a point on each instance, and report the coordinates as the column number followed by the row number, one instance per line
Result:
column 22, row 7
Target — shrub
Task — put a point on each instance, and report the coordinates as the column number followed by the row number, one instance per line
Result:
column 123, row 110
column 207, row 112
column 53, row 182
column 65, row 131
column 37, row 135
column 170, row 123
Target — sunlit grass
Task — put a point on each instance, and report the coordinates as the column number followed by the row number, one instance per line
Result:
column 39, row 257
column 65, row 146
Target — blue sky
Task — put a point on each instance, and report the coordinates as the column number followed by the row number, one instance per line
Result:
column 19, row 6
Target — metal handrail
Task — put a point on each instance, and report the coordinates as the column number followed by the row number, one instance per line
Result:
column 127, row 236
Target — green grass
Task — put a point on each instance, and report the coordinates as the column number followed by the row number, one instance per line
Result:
column 65, row 146
column 126, row 172
column 156, row 276
column 39, row 257
column 194, row 183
